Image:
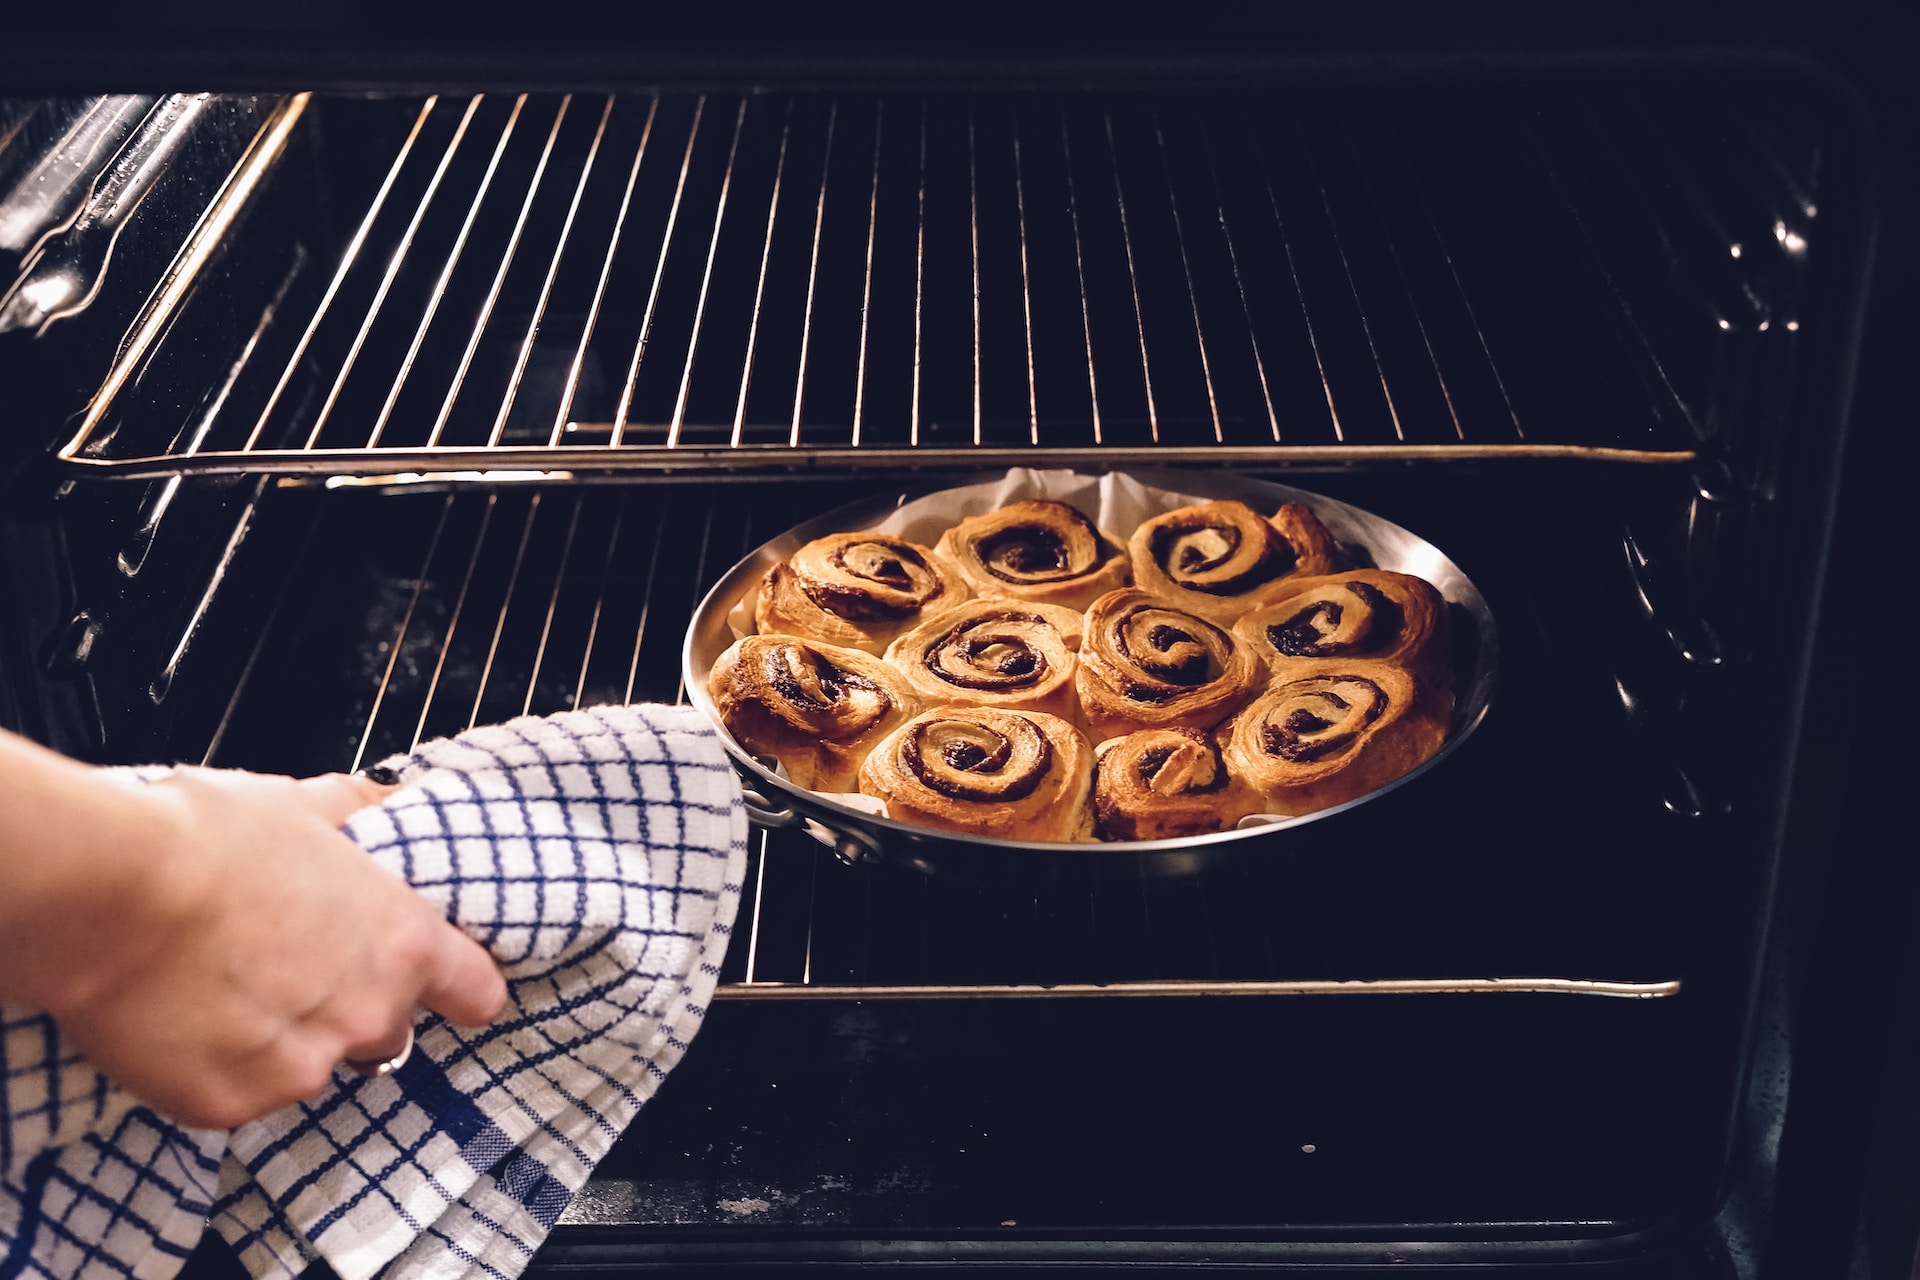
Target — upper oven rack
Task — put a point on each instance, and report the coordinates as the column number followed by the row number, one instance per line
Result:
column 728, row 283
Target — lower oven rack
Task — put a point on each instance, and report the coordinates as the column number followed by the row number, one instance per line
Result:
column 375, row 619
column 815, row 929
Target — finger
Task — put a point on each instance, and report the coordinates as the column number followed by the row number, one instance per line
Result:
column 338, row 796
column 465, row 986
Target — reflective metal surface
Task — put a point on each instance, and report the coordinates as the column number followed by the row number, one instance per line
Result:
column 44, row 198
column 1088, row 990
column 69, row 263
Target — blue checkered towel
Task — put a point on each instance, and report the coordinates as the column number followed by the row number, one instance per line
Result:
column 599, row 855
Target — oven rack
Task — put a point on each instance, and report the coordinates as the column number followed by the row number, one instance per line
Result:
column 381, row 619
column 712, row 283
column 817, row 929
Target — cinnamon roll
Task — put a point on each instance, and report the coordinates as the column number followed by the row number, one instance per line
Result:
column 1148, row 664
column 856, row 590
column 1218, row 559
column 1330, row 731
column 1161, row 783
column 816, row 708
column 1037, row 550
column 1368, row 613
column 994, row 653
column 984, row 771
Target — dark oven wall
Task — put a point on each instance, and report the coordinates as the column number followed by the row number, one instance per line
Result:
column 1589, row 333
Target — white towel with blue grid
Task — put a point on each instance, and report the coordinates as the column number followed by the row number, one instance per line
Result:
column 599, row 856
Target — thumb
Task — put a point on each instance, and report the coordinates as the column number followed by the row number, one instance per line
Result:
column 338, row 796
column 463, row 985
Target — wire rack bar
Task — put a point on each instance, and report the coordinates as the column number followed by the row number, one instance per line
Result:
column 499, row 278
column 1227, row 279
column 522, row 462
column 763, row 990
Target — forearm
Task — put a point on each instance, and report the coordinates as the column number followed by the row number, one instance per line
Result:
column 76, row 850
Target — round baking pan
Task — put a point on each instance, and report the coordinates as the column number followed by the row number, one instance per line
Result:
column 773, row 801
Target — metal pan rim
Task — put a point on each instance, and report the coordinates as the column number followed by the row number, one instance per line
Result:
column 1473, row 699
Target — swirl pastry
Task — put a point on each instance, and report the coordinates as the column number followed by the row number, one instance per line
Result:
column 1369, row 613
column 1037, row 550
column 1161, row 783
column 856, row 590
column 983, row 771
column 1148, row 664
column 1330, row 731
column 1218, row 559
column 818, row 709
column 994, row 653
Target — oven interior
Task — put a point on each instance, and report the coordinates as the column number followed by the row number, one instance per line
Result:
column 348, row 420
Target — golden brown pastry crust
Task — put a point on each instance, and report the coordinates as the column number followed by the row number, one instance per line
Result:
column 1330, row 731
column 984, row 771
column 856, row 590
column 1369, row 613
column 1037, row 550
column 1319, row 686
column 1159, row 784
column 1017, row 654
column 1218, row 559
column 818, row 709
column 1147, row 663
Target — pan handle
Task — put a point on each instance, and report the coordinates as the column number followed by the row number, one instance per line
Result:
column 848, row 845
column 764, row 812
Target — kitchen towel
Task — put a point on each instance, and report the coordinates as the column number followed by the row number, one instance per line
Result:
column 599, row 856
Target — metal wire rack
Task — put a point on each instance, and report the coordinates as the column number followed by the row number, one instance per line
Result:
column 398, row 618
column 720, row 282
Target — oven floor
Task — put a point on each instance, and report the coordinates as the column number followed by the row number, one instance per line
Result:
column 1090, row 1116
column 1527, row 1129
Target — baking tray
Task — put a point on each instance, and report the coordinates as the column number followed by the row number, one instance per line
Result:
column 775, row 802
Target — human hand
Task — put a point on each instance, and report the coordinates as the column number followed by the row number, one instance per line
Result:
column 229, row 960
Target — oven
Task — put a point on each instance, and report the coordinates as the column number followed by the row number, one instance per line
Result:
column 364, row 390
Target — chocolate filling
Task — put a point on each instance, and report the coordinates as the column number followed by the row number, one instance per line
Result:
column 1304, row 635
column 1020, row 668
column 1151, row 760
column 1036, row 553
column 1149, row 763
column 1271, row 559
column 893, row 573
column 832, row 682
column 1021, row 662
column 892, row 568
column 856, row 605
column 828, row 687
column 1190, row 670
column 890, row 571
column 1300, row 636
column 964, row 755
column 969, row 758
column 1164, row 637
column 1285, row 739
column 1304, row 721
